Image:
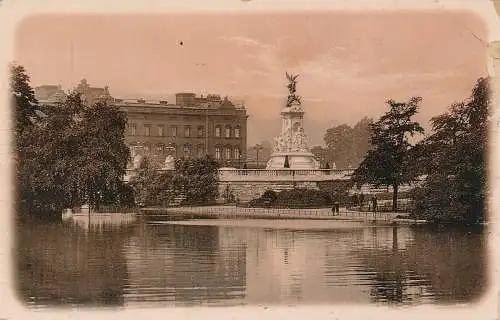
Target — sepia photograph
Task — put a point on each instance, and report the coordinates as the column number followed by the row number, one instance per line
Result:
column 264, row 158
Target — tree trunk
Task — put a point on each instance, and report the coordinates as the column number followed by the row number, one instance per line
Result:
column 395, row 197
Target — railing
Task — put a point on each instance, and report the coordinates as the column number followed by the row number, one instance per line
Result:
column 229, row 174
column 285, row 172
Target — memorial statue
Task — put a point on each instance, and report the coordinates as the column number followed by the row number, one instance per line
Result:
column 292, row 88
column 300, row 141
column 291, row 147
column 169, row 163
column 137, row 161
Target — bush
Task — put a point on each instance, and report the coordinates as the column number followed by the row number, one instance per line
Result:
column 295, row 198
column 193, row 179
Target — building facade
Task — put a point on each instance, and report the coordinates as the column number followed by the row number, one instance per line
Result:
column 192, row 127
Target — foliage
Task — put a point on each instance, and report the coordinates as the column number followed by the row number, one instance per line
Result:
column 151, row 186
column 23, row 98
column 388, row 162
column 193, row 179
column 197, row 179
column 294, row 198
column 454, row 160
column 345, row 145
column 67, row 156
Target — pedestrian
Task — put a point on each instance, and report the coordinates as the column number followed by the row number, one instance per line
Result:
column 355, row 200
column 361, row 201
column 336, row 203
column 374, row 203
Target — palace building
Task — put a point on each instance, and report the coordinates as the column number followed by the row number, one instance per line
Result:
column 193, row 126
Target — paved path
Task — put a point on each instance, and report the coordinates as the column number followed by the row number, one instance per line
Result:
column 265, row 213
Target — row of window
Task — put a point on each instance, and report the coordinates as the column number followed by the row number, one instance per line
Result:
column 188, row 150
column 160, row 131
column 228, row 153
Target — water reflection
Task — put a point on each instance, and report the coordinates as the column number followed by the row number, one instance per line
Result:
column 184, row 264
column 142, row 264
column 442, row 266
column 64, row 265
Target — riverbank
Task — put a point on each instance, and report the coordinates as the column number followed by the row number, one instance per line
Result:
column 233, row 212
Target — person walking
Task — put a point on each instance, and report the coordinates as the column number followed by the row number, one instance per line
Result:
column 361, row 201
column 355, row 200
column 335, row 208
column 374, row 203
column 374, row 207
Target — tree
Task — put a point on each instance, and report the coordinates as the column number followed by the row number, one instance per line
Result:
column 68, row 155
column 197, row 179
column 23, row 99
column 104, row 154
column 453, row 158
column 346, row 145
column 153, row 187
column 321, row 154
column 387, row 163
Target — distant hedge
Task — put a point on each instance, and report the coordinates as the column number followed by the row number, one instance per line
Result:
column 295, row 198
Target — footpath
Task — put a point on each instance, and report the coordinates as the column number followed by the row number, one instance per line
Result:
column 233, row 212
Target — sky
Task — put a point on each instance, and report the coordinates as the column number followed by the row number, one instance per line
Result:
column 349, row 63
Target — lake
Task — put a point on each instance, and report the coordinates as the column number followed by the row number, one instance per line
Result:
column 155, row 263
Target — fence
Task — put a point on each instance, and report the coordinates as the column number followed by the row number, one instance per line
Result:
column 105, row 209
column 278, row 213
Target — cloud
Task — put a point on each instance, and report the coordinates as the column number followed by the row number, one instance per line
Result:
column 246, row 42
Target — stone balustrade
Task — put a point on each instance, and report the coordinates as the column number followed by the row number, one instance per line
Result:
column 232, row 174
column 229, row 174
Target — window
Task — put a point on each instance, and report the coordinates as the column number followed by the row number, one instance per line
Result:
column 236, row 153
column 133, row 129
column 187, row 131
column 228, row 153
column 187, row 151
column 160, row 131
column 200, row 131
column 217, row 131
column 173, row 131
column 237, row 132
column 217, row 153
column 200, row 150
column 228, row 132
column 147, row 131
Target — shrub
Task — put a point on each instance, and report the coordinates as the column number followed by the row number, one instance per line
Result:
column 295, row 198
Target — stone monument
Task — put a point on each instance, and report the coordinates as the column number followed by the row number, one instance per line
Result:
column 169, row 163
column 291, row 150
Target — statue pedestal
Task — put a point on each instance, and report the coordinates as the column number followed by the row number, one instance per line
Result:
column 296, row 160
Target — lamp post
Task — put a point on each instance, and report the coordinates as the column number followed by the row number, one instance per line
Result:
column 257, row 149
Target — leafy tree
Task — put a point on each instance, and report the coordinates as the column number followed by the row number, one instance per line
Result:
column 197, row 179
column 104, row 154
column 68, row 155
column 345, row 145
column 23, row 100
column 153, row 187
column 321, row 154
column 453, row 158
column 388, row 162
